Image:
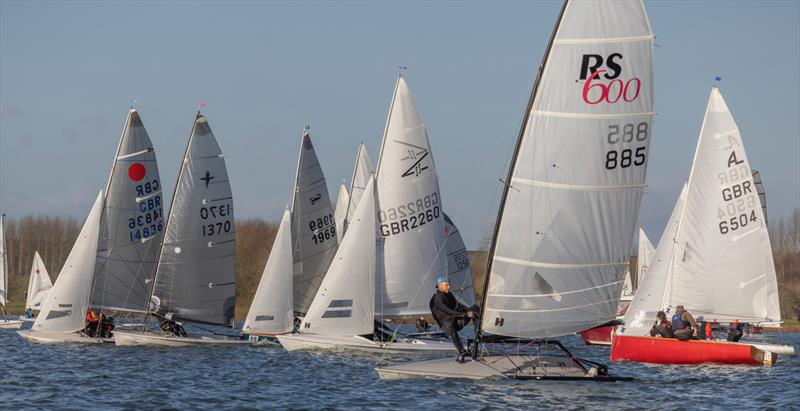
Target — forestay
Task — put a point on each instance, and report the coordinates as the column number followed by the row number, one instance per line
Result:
column 721, row 267
column 361, row 174
column 271, row 310
column 132, row 224
column 39, row 284
column 649, row 296
column 314, row 232
column 340, row 212
column 344, row 304
column 195, row 278
column 68, row 301
column 410, row 216
column 458, row 269
column 567, row 220
column 645, row 256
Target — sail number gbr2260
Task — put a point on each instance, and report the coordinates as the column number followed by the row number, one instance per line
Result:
column 623, row 134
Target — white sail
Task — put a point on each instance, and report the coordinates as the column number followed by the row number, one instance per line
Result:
column 361, row 174
column 627, row 285
column 39, row 284
column 3, row 262
column 567, row 220
column 271, row 309
column 340, row 212
column 458, row 269
column 721, row 266
column 195, row 278
column 645, row 255
column 132, row 226
column 314, row 234
column 66, row 305
column 345, row 301
column 410, row 216
column 649, row 296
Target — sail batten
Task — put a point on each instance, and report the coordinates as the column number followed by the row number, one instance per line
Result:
column 577, row 176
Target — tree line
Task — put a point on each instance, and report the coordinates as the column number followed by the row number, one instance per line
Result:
column 53, row 237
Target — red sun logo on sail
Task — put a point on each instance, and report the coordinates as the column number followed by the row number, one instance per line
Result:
column 136, row 171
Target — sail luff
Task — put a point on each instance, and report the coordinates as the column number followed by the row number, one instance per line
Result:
column 386, row 126
column 510, row 173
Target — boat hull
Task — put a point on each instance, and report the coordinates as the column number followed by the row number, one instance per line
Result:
column 261, row 339
column 51, row 337
column 544, row 367
column 671, row 351
column 311, row 342
column 598, row 335
column 11, row 324
column 125, row 338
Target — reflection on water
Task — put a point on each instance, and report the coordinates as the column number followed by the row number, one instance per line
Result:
column 105, row 376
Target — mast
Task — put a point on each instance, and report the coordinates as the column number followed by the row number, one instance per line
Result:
column 386, row 127
column 507, row 183
column 306, row 131
column 166, row 222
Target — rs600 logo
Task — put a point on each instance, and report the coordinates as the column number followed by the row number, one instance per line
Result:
column 595, row 90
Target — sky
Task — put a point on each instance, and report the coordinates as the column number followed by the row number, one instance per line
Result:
column 70, row 70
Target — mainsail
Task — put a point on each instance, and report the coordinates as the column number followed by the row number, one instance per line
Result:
column 340, row 213
column 361, row 174
column 645, row 256
column 458, row 269
column 132, row 224
column 195, row 277
column 567, row 216
column 3, row 263
column 344, row 304
column 66, row 306
column 271, row 310
column 410, row 213
column 720, row 265
column 39, row 284
column 314, row 232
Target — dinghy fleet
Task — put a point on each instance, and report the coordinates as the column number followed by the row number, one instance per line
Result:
column 338, row 275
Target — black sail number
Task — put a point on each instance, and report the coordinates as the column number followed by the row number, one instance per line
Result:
column 626, row 133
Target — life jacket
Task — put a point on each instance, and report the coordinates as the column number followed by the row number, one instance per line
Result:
column 677, row 322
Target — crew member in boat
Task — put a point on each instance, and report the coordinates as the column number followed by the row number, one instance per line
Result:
column 451, row 315
column 683, row 324
column 92, row 323
column 662, row 326
column 172, row 327
column 296, row 325
column 29, row 312
column 422, row 325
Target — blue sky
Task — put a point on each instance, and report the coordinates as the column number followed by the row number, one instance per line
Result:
column 69, row 71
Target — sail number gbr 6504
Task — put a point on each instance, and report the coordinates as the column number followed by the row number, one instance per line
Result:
column 624, row 134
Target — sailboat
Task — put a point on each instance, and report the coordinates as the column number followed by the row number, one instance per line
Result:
column 340, row 212
column 314, row 231
column 39, row 284
column 6, row 322
column 61, row 319
column 567, row 214
column 717, row 259
column 411, row 223
column 271, row 311
column 645, row 256
column 362, row 172
column 194, row 278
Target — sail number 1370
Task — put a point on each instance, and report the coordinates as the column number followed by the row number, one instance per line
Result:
column 626, row 133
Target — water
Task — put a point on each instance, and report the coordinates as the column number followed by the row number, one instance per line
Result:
column 109, row 377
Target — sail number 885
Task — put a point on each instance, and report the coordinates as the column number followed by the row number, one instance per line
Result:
column 626, row 133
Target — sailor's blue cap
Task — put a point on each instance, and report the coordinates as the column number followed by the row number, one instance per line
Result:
column 442, row 280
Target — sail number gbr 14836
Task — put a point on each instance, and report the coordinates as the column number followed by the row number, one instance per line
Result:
column 624, row 134
column 216, row 219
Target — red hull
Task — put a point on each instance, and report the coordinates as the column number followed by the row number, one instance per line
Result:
column 598, row 335
column 671, row 351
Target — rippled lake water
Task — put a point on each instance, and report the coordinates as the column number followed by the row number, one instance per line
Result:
column 108, row 377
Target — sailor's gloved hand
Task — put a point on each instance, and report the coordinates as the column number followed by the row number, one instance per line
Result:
column 470, row 314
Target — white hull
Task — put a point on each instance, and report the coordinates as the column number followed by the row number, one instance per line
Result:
column 523, row 367
column 312, row 342
column 774, row 348
column 10, row 324
column 123, row 338
column 52, row 337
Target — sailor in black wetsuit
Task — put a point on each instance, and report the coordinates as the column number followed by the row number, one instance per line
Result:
column 450, row 314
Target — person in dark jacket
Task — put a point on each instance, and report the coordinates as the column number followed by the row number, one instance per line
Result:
column 451, row 315
column 662, row 327
column 422, row 325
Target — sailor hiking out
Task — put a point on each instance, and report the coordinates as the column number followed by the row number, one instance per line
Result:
column 451, row 315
